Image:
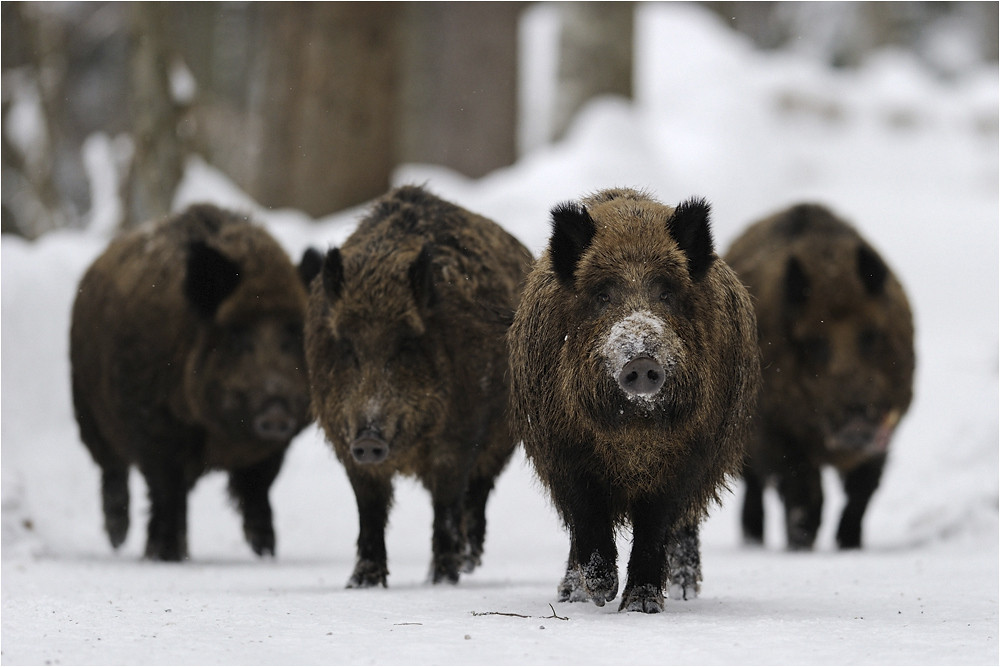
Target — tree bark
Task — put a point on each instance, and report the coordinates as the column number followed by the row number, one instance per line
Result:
column 459, row 85
column 157, row 164
column 595, row 56
column 327, row 105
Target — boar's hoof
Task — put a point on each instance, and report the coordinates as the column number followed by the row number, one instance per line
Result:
column 600, row 579
column 642, row 376
column 571, row 588
column 445, row 570
column 261, row 540
column 369, row 448
column 368, row 574
column 646, row 598
column 683, row 591
column 169, row 551
column 471, row 561
column 275, row 422
column 116, row 526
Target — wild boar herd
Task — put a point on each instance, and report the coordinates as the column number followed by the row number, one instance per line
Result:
column 641, row 371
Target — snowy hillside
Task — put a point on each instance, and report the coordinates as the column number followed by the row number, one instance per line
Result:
column 913, row 162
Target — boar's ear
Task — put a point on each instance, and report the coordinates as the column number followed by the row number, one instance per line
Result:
column 310, row 265
column 690, row 227
column 872, row 270
column 210, row 277
column 333, row 274
column 797, row 286
column 422, row 278
column 572, row 231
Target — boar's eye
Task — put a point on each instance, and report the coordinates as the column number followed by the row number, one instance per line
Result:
column 409, row 347
column 814, row 351
column 239, row 340
column 871, row 342
column 345, row 351
column 291, row 338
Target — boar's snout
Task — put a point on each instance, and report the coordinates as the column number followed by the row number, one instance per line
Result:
column 642, row 376
column 368, row 447
column 275, row 421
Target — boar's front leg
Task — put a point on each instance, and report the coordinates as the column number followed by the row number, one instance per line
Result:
column 647, row 564
column 801, row 489
column 374, row 496
column 593, row 557
column 475, row 521
column 166, row 535
column 448, row 540
column 249, row 487
column 859, row 484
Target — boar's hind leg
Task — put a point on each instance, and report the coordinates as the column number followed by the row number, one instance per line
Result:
column 859, row 484
column 114, row 498
column 249, row 487
column 684, row 563
column 801, row 490
column 166, row 536
column 752, row 518
column 114, row 470
column 374, row 496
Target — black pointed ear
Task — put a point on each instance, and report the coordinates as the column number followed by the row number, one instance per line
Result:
column 422, row 278
column 333, row 274
column 310, row 265
column 797, row 287
column 209, row 279
column 872, row 270
column 691, row 229
column 572, row 231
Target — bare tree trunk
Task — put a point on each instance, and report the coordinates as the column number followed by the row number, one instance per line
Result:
column 595, row 56
column 459, row 85
column 157, row 164
column 327, row 104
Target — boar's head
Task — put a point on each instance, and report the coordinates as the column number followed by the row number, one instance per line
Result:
column 849, row 346
column 246, row 378
column 380, row 373
column 635, row 273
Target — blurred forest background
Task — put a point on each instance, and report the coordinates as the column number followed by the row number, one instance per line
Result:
column 311, row 106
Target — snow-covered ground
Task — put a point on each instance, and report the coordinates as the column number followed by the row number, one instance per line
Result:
column 912, row 161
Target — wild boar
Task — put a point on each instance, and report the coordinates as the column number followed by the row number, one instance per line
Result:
column 836, row 335
column 634, row 375
column 408, row 368
column 186, row 349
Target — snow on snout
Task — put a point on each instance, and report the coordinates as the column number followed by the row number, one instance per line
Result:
column 641, row 334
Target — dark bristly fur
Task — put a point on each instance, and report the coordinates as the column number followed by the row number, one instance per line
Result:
column 836, row 334
column 186, row 352
column 408, row 367
column 606, row 458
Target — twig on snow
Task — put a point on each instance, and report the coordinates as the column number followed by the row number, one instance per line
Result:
column 507, row 613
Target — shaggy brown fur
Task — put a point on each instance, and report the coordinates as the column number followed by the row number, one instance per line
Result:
column 187, row 355
column 837, row 343
column 405, row 342
column 627, row 279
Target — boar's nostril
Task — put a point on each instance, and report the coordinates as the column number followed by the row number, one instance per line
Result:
column 642, row 376
column 274, row 422
column 369, row 448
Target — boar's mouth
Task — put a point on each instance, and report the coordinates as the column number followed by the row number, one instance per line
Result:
column 640, row 352
column 863, row 435
column 275, row 422
column 369, row 448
